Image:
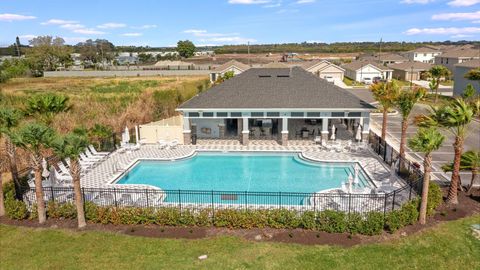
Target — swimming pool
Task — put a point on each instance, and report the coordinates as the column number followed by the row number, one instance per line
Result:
column 233, row 174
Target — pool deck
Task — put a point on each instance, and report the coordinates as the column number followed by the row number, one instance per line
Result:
column 107, row 172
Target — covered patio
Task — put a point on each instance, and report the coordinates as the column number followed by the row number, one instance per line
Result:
column 275, row 104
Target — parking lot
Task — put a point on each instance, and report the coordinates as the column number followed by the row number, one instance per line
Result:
column 443, row 155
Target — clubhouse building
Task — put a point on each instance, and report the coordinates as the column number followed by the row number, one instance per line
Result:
column 278, row 104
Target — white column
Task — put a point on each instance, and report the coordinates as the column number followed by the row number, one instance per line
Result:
column 186, row 125
column 325, row 125
column 284, row 125
column 245, row 125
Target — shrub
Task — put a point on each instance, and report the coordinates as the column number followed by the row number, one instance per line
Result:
column 167, row 216
column 355, row 223
column 14, row 209
column 308, row 220
column 332, row 221
column 203, row 217
column 91, row 211
column 282, row 218
column 407, row 215
column 435, row 198
column 63, row 210
column 373, row 224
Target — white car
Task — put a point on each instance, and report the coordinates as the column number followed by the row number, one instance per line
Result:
column 329, row 79
column 367, row 80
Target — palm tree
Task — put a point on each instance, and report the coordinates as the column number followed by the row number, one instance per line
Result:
column 455, row 117
column 71, row 146
column 385, row 94
column 46, row 106
column 3, row 165
column 426, row 141
column 405, row 102
column 469, row 161
column 9, row 119
column 35, row 138
column 437, row 72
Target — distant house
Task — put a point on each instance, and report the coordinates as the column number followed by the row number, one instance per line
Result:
column 233, row 65
column 460, row 82
column 383, row 58
column 177, row 65
column 362, row 71
column 411, row 70
column 204, row 53
column 423, row 54
column 324, row 69
column 450, row 58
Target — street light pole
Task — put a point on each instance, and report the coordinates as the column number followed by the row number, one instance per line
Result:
column 411, row 78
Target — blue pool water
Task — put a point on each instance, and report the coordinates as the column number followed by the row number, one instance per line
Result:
column 238, row 173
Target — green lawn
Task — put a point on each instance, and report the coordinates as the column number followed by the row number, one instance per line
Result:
column 449, row 246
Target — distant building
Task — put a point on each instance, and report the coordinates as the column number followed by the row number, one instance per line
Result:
column 204, row 53
column 173, row 65
column 233, row 65
column 408, row 71
column 460, row 82
column 450, row 58
column 365, row 71
column 324, row 70
column 383, row 58
column 423, row 54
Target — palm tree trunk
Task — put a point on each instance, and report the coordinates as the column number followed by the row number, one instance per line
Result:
column 75, row 172
column 427, row 169
column 452, row 197
column 472, row 180
column 12, row 160
column 37, row 167
column 384, row 123
column 2, row 202
column 436, row 92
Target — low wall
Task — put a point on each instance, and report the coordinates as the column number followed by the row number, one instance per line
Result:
column 123, row 73
column 167, row 129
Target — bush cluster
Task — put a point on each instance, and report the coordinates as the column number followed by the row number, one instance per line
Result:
column 370, row 223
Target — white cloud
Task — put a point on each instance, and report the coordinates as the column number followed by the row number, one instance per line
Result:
column 8, row 17
column 145, row 26
column 443, row 31
column 194, row 31
column 305, row 1
column 229, row 40
column 463, row 3
column 461, row 36
column 423, row 2
column 111, row 25
column 132, row 34
column 58, row 22
column 457, row 16
column 248, row 2
column 205, row 37
column 88, row 31
column 72, row 26
column 74, row 40
column 27, row 37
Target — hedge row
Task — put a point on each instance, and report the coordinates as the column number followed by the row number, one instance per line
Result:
column 329, row 221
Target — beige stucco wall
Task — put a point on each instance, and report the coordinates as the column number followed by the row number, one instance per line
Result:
column 166, row 129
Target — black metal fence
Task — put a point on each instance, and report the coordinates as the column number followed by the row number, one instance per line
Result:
column 201, row 199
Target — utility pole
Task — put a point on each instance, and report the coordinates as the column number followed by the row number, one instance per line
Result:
column 248, row 52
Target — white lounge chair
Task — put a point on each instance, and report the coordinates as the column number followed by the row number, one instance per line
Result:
column 95, row 152
column 173, row 144
column 318, row 140
column 89, row 155
column 162, row 144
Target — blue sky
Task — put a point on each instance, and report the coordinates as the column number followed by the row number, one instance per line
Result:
column 216, row 22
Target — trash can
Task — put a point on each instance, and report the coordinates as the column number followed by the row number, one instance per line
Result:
column 194, row 139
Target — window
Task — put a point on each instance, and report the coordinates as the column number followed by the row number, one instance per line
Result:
column 273, row 114
column 193, row 114
column 354, row 114
column 297, row 114
column 236, row 114
column 313, row 114
column 338, row 114
column 257, row 114
column 222, row 114
column 207, row 114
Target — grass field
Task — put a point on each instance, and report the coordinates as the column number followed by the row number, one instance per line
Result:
column 109, row 101
column 448, row 246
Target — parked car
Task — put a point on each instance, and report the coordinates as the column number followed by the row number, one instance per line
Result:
column 377, row 79
column 367, row 80
column 329, row 79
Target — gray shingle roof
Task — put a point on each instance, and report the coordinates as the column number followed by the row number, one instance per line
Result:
column 264, row 88
column 407, row 66
column 232, row 63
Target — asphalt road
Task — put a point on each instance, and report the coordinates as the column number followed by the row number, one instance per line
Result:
column 443, row 155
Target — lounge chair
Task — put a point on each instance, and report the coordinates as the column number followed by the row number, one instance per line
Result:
column 84, row 158
column 89, row 154
column 318, row 140
column 173, row 144
column 63, row 179
column 162, row 144
column 95, row 152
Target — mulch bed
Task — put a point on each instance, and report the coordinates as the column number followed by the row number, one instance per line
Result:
column 468, row 205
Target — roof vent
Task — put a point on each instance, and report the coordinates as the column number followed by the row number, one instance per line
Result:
column 283, row 76
column 264, row 76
